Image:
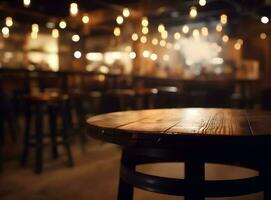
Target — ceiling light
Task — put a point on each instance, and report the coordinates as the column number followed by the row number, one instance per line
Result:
column 263, row 36
column 85, row 19
column 134, row 37
column 202, row 2
column 143, row 39
column 27, row 3
column 55, row 33
column 204, row 31
column 77, row 54
column 132, row 55
column 225, row 38
column 185, row 29
column 146, row 54
column 5, row 32
column 193, row 12
column 218, row 27
column 161, row 28
column 223, row 19
column 144, row 21
column 73, row 9
column 154, row 41
column 154, row 56
column 117, row 31
column 119, row 20
column 62, row 24
column 75, row 38
column 264, row 20
column 145, row 30
column 177, row 36
column 9, row 21
column 126, row 12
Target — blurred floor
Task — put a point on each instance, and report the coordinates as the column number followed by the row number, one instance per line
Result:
column 94, row 177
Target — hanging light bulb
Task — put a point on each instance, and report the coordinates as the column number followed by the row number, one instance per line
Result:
column 185, row 29
column 5, row 32
column 119, row 20
column 177, row 36
column 163, row 43
column 154, row 56
column 193, row 12
column 225, row 38
column 144, row 21
column 27, row 3
column 143, row 39
column 35, row 28
column 202, row 2
column 9, row 21
column 264, row 19
column 223, row 19
column 55, row 33
column 77, row 54
column 161, row 28
column 146, row 54
column 263, row 36
column 74, row 9
column 85, row 19
column 164, row 35
column 117, row 31
column 75, row 38
column 218, row 27
column 145, row 30
column 134, row 37
column 126, row 12
column 132, row 55
column 62, row 24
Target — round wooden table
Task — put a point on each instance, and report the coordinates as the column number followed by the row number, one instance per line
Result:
column 194, row 136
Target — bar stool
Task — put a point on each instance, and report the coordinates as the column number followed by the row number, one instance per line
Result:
column 37, row 106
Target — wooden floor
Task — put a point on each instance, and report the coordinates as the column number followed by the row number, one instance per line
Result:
column 95, row 177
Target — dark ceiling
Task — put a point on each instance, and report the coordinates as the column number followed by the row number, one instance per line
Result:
column 169, row 11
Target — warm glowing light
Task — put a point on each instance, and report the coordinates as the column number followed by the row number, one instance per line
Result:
column 75, row 38
column 94, row 56
column 161, row 28
column 177, row 36
column 163, row 43
column 77, row 54
column 193, row 12
column 196, row 33
column 144, row 21
column 202, row 2
column 119, row 20
column 164, row 35
column 85, row 19
column 169, row 45
column 219, row 27
column 132, row 55
column 128, row 48
column 34, row 35
column 143, row 39
column 240, row 41
column 263, row 36
column 117, row 31
column 154, row 41
column 223, row 19
column 264, row 20
column 154, row 56
column 5, row 32
column 9, row 21
column 55, row 33
column 204, row 31
column 62, row 24
column 146, row 54
column 166, row 57
column 134, row 37
column 185, row 29
column 145, row 30
column 126, row 12
column 217, row 61
column 35, row 28
column 27, row 3
column 225, row 38
column 237, row 46
column 73, row 9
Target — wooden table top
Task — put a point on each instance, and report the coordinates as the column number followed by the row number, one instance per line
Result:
column 173, row 124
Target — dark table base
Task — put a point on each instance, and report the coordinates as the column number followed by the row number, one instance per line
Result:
column 194, row 186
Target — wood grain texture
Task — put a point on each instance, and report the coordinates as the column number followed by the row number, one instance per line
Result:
column 188, row 121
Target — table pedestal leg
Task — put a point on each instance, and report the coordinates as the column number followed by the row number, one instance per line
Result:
column 194, row 175
column 126, row 190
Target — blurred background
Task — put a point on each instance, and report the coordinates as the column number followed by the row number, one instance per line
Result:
column 62, row 61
